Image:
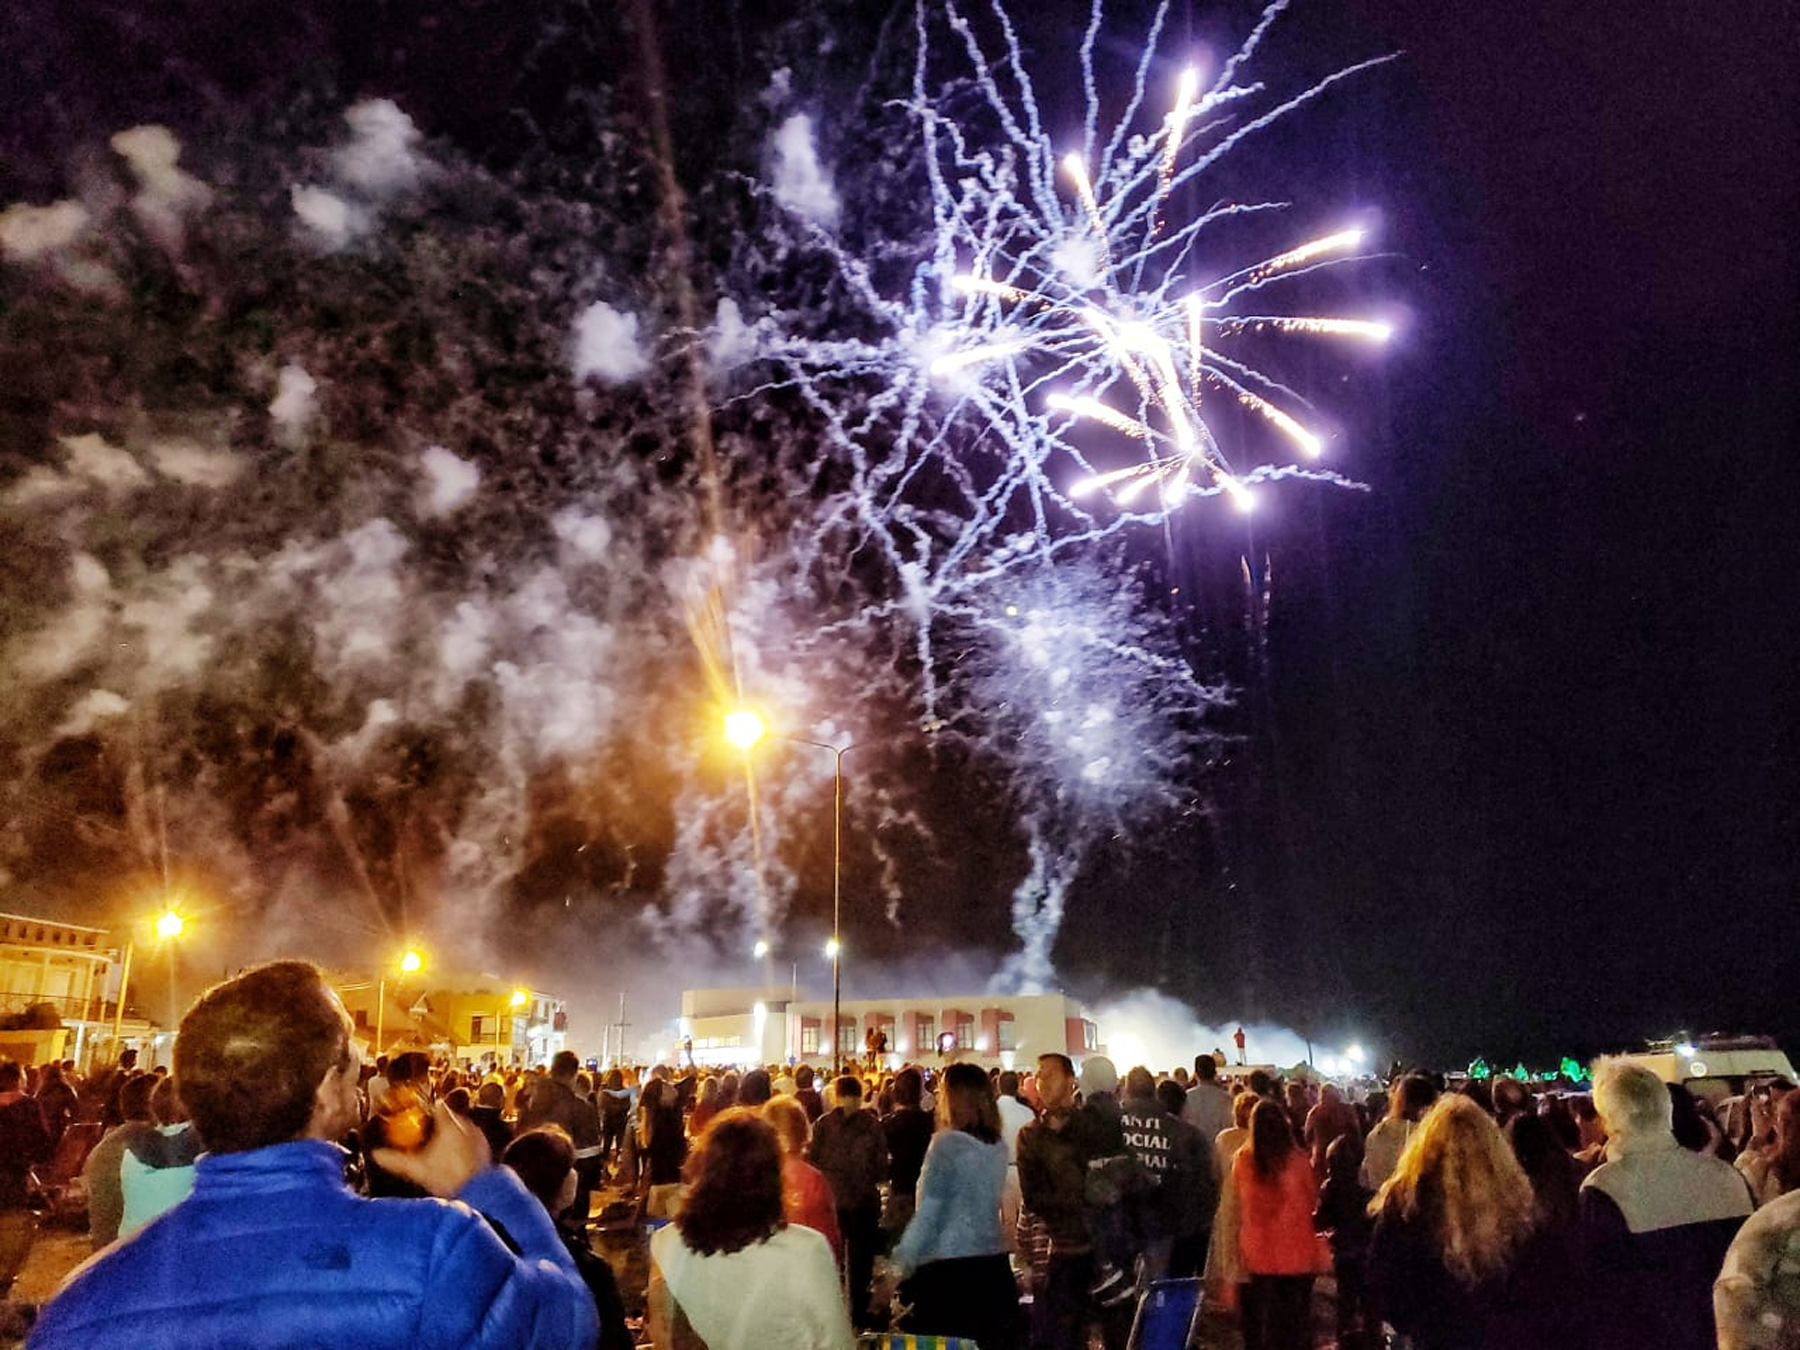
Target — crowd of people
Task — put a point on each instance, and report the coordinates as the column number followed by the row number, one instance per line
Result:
column 275, row 1191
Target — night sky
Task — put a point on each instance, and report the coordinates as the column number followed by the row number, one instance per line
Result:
column 1512, row 765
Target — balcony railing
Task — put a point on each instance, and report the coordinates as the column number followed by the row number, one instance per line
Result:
column 70, row 1009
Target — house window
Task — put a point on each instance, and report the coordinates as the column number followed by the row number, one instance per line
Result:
column 809, row 1040
column 927, row 1032
column 362, row 1019
column 1090, row 1036
column 1009, row 1038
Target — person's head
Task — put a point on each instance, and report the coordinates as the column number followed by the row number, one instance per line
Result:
column 1561, row 1121
column 966, row 1102
column 544, row 1160
column 1534, row 1144
column 1241, row 1107
column 1009, row 1084
column 1140, row 1083
column 1261, row 1083
column 1685, row 1120
column 134, row 1097
column 1459, row 1173
column 909, row 1088
column 734, row 1185
column 1056, row 1082
column 729, row 1084
column 565, row 1066
column 165, row 1102
column 1206, row 1068
column 790, row 1122
column 52, row 1073
column 1330, row 1096
column 1296, row 1095
column 1172, row 1096
column 803, row 1077
column 414, row 1067
column 491, row 1096
column 1271, row 1138
column 614, row 1081
column 459, row 1101
column 1631, row 1100
column 754, row 1090
column 12, row 1075
column 266, row 1058
column 1344, row 1156
column 1510, row 1097
column 1098, row 1077
column 1412, row 1098
column 709, row 1092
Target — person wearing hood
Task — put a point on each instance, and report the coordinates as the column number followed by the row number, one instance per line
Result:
column 1115, row 1182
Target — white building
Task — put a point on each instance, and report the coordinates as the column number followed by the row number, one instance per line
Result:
column 769, row 1026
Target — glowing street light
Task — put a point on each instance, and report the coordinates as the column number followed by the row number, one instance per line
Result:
column 410, row 962
column 167, row 926
column 744, row 727
column 761, row 949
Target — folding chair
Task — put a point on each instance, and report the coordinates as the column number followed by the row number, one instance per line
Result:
column 1166, row 1316
column 58, row 1181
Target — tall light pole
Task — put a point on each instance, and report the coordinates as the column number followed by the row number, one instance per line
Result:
column 410, row 963
column 167, row 926
column 519, row 999
column 744, row 727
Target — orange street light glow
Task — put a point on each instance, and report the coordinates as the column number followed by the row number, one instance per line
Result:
column 744, row 728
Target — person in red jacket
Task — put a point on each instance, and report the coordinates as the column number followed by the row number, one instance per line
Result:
column 1265, row 1251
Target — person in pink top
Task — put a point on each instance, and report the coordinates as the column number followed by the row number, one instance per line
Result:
column 1264, row 1250
column 805, row 1194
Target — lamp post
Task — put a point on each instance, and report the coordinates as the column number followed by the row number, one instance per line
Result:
column 519, row 999
column 167, row 926
column 744, row 727
column 410, row 963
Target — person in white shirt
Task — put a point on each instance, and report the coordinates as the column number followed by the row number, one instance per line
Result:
column 729, row 1268
column 1015, row 1115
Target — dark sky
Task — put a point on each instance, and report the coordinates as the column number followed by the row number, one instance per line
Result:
column 1535, row 695
column 1519, row 767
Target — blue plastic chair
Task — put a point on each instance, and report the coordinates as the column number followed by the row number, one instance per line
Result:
column 1166, row 1316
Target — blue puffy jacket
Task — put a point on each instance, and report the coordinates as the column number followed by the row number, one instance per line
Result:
column 273, row 1251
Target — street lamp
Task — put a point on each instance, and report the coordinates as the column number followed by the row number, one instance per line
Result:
column 744, row 727
column 410, row 963
column 167, row 926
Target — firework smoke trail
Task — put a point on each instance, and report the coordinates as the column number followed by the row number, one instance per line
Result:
column 1061, row 289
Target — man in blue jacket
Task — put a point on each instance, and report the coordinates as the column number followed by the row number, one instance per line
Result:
column 273, row 1250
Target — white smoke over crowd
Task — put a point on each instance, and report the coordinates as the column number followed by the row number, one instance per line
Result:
column 412, row 581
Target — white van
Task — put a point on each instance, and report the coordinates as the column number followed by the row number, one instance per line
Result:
column 1716, row 1067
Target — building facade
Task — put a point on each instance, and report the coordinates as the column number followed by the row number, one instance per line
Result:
column 62, row 979
column 470, row 1018
column 722, row 1027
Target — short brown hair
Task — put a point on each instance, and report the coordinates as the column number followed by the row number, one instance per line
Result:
column 253, row 1051
column 734, row 1185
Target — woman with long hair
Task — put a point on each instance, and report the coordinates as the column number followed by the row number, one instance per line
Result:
column 730, row 1273
column 1455, row 1261
column 958, row 1281
column 1264, row 1250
